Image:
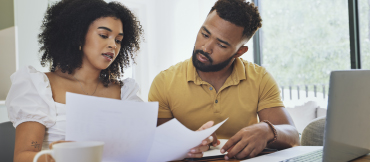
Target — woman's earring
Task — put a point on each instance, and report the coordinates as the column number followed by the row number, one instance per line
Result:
column 79, row 48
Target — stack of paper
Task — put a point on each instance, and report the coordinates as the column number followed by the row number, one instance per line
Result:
column 129, row 129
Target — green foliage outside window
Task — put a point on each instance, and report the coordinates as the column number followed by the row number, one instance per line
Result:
column 303, row 41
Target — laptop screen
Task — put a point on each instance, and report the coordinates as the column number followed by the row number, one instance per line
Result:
column 347, row 129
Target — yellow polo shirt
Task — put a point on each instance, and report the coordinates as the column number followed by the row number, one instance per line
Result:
column 183, row 95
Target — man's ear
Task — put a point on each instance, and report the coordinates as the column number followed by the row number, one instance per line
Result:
column 241, row 51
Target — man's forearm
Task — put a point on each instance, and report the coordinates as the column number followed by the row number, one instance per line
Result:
column 161, row 121
column 287, row 136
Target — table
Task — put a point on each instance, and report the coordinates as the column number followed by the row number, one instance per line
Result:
column 365, row 158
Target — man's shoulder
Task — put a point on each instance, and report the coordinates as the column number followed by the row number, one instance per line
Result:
column 178, row 69
column 252, row 68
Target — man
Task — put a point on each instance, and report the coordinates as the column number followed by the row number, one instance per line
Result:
column 216, row 84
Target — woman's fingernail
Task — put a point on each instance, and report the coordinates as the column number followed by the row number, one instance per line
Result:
column 189, row 154
column 204, row 142
column 193, row 150
column 222, row 151
column 226, row 158
column 210, row 138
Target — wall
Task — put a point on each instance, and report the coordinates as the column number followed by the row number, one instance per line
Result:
column 7, row 52
column 8, row 59
column 18, row 43
column 7, row 45
column 6, row 14
column 28, row 18
column 3, row 113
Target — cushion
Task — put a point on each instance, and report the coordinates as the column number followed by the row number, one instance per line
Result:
column 303, row 115
column 313, row 134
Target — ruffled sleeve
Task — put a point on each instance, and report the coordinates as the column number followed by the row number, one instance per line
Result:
column 129, row 90
column 30, row 98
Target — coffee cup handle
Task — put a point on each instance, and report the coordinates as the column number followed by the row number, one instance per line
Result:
column 42, row 153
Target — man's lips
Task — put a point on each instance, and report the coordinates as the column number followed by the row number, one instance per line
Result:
column 202, row 58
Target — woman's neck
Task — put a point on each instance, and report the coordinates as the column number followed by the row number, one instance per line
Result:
column 86, row 75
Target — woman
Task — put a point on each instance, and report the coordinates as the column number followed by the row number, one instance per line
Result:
column 86, row 44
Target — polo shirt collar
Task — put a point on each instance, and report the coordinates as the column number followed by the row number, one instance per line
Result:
column 236, row 76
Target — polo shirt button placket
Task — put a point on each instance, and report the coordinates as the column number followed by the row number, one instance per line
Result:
column 210, row 88
column 216, row 101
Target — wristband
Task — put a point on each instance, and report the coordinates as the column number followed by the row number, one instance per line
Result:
column 273, row 130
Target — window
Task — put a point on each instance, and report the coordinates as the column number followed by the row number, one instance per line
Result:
column 301, row 43
column 364, row 19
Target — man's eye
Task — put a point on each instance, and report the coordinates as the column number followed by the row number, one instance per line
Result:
column 222, row 46
column 103, row 36
column 205, row 35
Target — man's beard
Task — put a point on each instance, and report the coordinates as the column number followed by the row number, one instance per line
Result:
column 208, row 68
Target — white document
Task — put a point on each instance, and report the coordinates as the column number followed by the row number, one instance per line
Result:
column 214, row 151
column 126, row 127
column 173, row 141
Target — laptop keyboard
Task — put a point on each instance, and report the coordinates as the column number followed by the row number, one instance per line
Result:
column 315, row 156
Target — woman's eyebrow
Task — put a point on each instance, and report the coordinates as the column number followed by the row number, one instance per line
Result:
column 110, row 30
column 102, row 27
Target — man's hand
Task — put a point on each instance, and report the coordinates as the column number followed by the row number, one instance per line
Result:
column 197, row 152
column 248, row 142
column 215, row 141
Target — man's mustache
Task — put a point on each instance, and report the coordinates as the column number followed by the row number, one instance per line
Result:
column 205, row 54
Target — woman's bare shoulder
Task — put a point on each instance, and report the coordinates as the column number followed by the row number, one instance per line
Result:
column 113, row 90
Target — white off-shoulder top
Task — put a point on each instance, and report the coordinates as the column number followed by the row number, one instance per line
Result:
column 30, row 99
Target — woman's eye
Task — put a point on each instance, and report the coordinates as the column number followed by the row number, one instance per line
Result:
column 103, row 36
column 118, row 41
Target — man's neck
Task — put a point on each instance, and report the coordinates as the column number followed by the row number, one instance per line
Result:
column 218, row 78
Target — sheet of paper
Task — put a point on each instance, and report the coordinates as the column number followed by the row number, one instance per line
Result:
column 173, row 141
column 214, row 151
column 126, row 127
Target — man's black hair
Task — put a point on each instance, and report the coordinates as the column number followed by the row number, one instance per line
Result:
column 240, row 13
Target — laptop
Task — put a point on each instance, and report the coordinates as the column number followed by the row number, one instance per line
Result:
column 347, row 127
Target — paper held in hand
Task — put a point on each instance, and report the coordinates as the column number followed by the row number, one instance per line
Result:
column 129, row 129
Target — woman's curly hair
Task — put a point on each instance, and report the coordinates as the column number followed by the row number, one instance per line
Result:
column 240, row 13
column 65, row 26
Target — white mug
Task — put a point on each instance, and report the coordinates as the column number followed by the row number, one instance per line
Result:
column 81, row 151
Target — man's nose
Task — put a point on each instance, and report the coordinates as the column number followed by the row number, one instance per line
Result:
column 208, row 47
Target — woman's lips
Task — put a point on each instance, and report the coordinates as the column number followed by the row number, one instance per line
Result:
column 108, row 56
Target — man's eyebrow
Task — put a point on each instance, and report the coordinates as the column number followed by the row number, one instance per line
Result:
column 204, row 28
column 105, row 28
column 222, row 41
